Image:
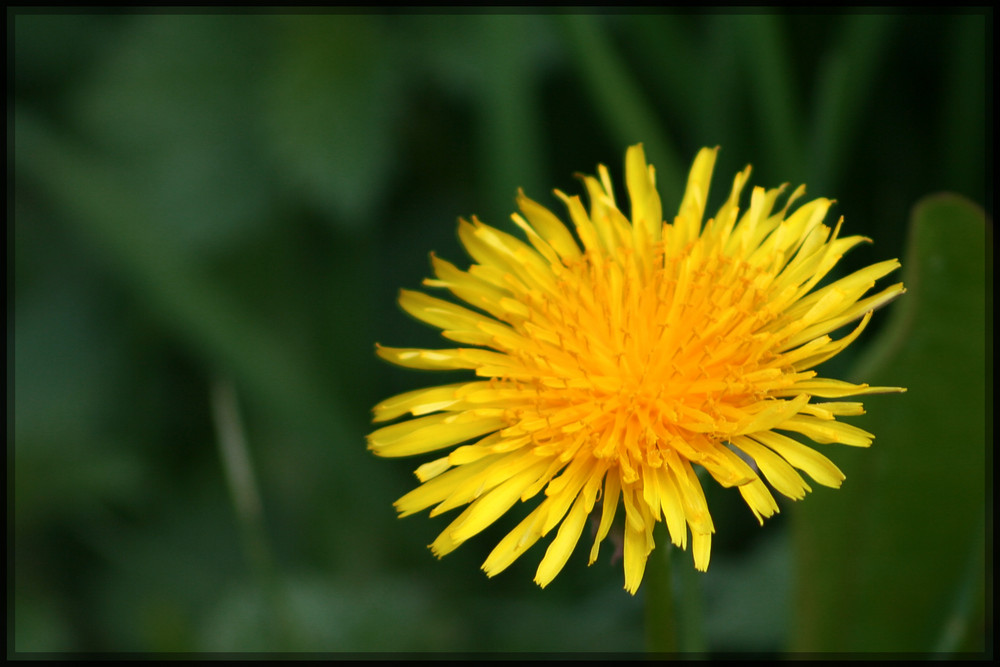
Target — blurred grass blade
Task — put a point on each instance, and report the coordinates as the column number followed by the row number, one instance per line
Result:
column 509, row 111
column 662, row 40
column 238, row 469
column 620, row 101
column 845, row 84
column 964, row 128
column 163, row 277
column 894, row 560
column 240, row 479
column 772, row 92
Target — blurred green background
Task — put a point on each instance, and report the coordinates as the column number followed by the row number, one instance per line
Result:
column 212, row 214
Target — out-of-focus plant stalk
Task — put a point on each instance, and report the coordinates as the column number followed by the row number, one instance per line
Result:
column 238, row 469
column 661, row 620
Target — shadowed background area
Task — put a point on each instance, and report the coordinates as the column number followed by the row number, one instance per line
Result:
column 212, row 214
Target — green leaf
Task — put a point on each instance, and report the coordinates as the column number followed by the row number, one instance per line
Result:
column 895, row 560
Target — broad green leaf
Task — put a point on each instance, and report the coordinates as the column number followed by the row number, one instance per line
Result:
column 894, row 560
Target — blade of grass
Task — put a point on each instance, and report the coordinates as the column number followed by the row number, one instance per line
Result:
column 964, row 119
column 845, row 83
column 772, row 93
column 620, row 101
column 93, row 196
column 238, row 469
column 508, row 111
column 665, row 42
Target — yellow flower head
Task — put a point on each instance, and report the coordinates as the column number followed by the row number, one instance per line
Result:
column 609, row 372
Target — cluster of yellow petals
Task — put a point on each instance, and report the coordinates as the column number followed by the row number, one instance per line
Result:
column 607, row 372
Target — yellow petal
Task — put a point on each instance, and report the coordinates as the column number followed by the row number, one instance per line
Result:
column 826, row 432
column 432, row 469
column 486, row 510
column 759, row 499
column 418, row 402
column 701, row 549
column 672, row 505
column 437, row 489
column 512, row 546
column 609, row 507
column 638, row 545
column 434, row 360
column 549, row 227
column 804, row 458
column 425, row 434
column 692, row 209
column 777, row 471
column 647, row 213
column 501, row 469
column 562, row 546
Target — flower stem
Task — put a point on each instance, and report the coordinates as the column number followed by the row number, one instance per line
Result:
column 690, row 619
column 661, row 622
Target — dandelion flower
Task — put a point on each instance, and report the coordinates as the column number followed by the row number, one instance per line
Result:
column 611, row 369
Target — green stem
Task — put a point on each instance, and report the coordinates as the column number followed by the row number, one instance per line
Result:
column 661, row 621
column 238, row 469
column 690, row 618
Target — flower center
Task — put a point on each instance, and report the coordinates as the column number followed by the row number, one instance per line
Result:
column 633, row 360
